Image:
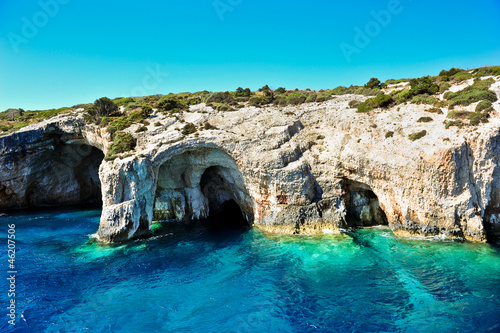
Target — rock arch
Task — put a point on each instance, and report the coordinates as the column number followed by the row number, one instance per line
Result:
column 51, row 168
column 199, row 184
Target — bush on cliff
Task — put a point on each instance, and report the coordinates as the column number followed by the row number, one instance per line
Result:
column 373, row 83
column 168, row 104
column 474, row 93
column 189, row 128
column 381, row 101
column 221, row 97
column 240, row 92
column 122, row 142
column 296, row 98
column 102, row 107
column 485, row 106
column 418, row 135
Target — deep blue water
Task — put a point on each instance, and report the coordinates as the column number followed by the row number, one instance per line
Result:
column 192, row 279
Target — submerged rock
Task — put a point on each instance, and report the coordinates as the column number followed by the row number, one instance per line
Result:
column 314, row 168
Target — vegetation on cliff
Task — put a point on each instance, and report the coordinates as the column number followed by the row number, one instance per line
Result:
column 120, row 113
column 427, row 90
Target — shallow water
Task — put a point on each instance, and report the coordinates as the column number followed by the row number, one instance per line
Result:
column 199, row 280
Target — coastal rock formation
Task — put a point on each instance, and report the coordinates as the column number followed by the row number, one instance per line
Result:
column 314, row 168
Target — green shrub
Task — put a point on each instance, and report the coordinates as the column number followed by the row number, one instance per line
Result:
column 424, row 120
column 280, row 90
column 256, row 101
column 193, row 100
column 435, row 110
column 122, row 142
column 380, row 101
column 11, row 114
column 485, row 71
column 475, row 118
column 484, row 105
column 157, row 124
column 280, row 100
column 311, row 98
column 458, row 114
column 451, row 72
column 102, row 107
column 457, row 123
column 131, row 106
column 189, row 128
column 444, row 86
column 389, row 134
column 373, row 83
column 224, row 107
column 341, row 90
column 265, row 88
column 221, row 97
column 418, row 135
column 296, row 98
column 462, row 76
column 240, row 92
column 146, row 111
column 474, row 93
column 401, row 96
column 168, row 104
column 424, row 99
column 353, row 104
column 141, row 129
column 208, row 126
column 320, row 137
column 323, row 98
column 124, row 101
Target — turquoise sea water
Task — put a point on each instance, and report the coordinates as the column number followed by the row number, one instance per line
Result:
column 193, row 279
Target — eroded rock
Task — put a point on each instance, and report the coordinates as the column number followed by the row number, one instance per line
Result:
column 315, row 168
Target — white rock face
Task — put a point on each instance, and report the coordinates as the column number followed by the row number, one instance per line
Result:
column 314, row 168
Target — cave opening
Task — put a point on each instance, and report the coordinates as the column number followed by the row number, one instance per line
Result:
column 223, row 209
column 362, row 205
column 67, row 175
column 202, row 185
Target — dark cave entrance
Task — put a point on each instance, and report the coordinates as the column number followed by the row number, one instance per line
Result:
column 66, row 175
column 362, row 205
column 224, row 210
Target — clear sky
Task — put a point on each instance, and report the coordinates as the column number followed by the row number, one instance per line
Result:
column 57, row 53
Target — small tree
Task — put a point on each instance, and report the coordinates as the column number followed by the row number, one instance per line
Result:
column 122, row 142
column 373, row 83
column 146, row 111
column 189, row 128
column 102, row 107
column 280, row 90
column 168, row 103
column 240, row 92
column 12, row 114
column 265, row 88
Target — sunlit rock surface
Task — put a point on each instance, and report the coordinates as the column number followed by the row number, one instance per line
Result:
column 314, row 168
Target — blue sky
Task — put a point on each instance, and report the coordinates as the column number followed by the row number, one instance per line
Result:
column 57, row 53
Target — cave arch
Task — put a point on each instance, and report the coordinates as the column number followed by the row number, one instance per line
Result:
column 202, row 184
column 362, row 205
column 66, row 174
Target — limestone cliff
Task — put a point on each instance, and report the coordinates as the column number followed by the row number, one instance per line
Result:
column 314, row 168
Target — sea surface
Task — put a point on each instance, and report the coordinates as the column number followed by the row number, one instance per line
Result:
column 197, row 279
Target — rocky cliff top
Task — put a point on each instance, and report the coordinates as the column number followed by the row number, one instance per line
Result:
column 424, row 169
